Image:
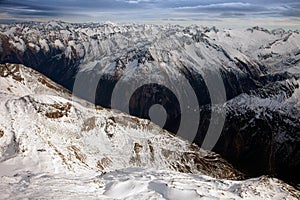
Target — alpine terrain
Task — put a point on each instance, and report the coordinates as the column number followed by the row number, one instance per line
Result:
column 77, row 100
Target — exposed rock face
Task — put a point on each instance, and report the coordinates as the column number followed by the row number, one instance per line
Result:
column 261, row 131
column 259, row 69
column 55, row 64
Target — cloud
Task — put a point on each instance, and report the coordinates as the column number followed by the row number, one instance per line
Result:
column 139, row 9
column 292, row 10
column 27, row 8
column 141, row 1
column 62, row 7
column 240, row 9
column 221, row 7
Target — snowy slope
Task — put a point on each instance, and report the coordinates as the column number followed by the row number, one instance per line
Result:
column 278, row 49
column 137, row 183
column 53, row 145
column 48, row 129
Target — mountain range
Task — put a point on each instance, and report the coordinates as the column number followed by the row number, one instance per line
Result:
column 245, row 80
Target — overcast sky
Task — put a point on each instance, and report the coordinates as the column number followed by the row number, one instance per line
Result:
column 214, row 11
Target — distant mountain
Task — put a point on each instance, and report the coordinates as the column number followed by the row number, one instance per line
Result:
column 53, row 144
column 259, row 69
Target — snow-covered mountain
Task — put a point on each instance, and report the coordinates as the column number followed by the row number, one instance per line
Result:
column 44, row 126
column 259, row 70
column 55, row 145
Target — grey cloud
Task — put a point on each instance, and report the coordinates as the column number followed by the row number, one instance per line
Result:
column 232, row 14
column 246, row 7
column 61, row 7
column 291, row 10
column 237, row 9
column 292, row 13
column 27, row 8
column 213, row 8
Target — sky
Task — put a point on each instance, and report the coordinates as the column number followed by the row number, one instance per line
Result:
column 215, row 12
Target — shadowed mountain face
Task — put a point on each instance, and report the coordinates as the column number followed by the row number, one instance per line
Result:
column 259, row 71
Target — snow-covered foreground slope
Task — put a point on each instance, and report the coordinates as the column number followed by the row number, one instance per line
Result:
column 142, row 184
column 56, row 145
